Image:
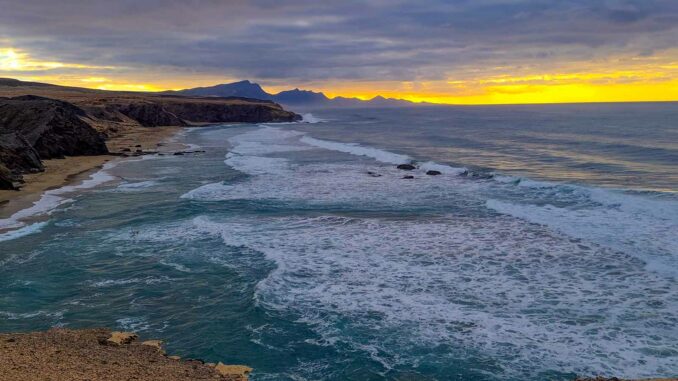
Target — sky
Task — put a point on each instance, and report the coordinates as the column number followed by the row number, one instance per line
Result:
column 454, row 51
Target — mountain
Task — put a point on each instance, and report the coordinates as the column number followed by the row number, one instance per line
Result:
column 296, row 97
column 243, row 89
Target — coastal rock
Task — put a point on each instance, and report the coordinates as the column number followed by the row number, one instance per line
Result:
column 433, row 173
column 244, row 112
column 406, row 167
column 235, row 372
column 53, row 128
column 157, row 344
column 408, row 177
column 7, row 179
column 121, row 338
column 17, row 155
column 150, row 114
column 35, row 128
column 66, row 355
column 477, row 175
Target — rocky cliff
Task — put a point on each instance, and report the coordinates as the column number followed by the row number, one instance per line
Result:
column 41, row 121
column 238, row 112
column 34, row 128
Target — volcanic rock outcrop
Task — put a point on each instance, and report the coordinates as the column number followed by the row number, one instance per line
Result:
column 34, row 128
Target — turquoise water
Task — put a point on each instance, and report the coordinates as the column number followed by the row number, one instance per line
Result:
column 547, row 247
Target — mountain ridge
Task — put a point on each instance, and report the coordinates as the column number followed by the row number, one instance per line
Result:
column 294, row 97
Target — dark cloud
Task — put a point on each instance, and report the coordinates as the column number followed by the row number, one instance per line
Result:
column 351, row 40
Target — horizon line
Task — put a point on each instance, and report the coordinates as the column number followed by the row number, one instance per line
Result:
column 420, row 103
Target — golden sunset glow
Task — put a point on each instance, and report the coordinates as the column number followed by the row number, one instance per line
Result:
column 637, row 79
column 16, row 60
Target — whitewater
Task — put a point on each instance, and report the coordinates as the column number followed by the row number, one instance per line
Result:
column 302, row 251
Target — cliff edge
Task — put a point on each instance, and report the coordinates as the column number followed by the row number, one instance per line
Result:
column 100, row 355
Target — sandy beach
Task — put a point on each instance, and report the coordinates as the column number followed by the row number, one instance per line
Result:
column 71, row 170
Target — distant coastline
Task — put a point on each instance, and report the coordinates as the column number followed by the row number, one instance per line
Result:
column 54, row 135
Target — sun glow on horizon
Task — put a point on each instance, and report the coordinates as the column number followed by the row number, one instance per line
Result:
column 618, row 80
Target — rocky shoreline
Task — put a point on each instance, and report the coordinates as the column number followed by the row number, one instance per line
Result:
column 40, row 121
column 101, row 355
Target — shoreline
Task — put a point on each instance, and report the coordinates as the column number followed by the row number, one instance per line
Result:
column 76, row 169
column 100, row 354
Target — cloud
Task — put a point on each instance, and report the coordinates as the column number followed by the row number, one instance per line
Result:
column 306, row 41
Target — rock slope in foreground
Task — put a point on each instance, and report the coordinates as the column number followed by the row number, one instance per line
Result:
column 100, row 355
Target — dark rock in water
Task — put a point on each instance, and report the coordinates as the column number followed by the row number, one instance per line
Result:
column 373, row 174
column 476, row 175
column 406, row 167
column 125, row 150
column 480, row 176
column 187, row 152
column 408, row 177
column 433, row 173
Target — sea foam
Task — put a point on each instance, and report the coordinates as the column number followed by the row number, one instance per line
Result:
column 530, row 295
column 356, row 149
column 52, row 199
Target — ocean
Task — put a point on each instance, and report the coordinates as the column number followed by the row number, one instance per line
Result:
column 546, row 248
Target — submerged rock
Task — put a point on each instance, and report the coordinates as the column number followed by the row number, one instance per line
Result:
column 408, row 177
column 433, row 173
column 477, row 175
column 406, row 167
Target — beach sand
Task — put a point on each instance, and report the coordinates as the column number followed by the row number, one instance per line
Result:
column 72, row 170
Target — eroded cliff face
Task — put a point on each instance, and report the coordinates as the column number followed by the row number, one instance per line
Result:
column 35, row 128
column 173, row 111
column 206, row 112
column 150, row 114
column 53, row 128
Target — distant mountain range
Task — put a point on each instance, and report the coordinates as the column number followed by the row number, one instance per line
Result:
column 296, row 97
